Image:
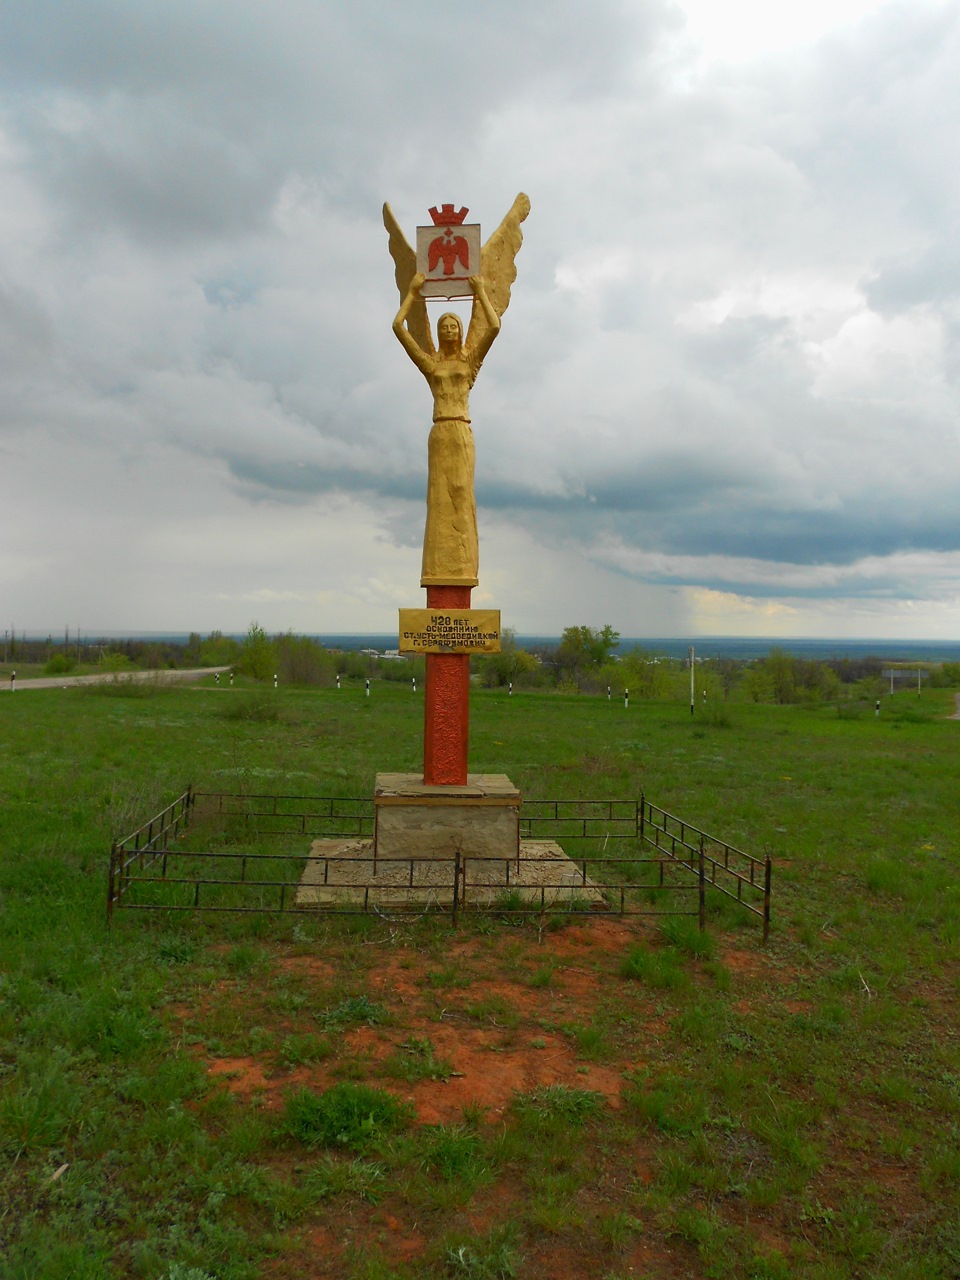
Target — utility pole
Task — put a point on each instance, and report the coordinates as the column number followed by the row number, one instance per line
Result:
column 691, row 679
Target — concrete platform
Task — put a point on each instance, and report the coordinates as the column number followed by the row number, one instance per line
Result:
column 481, row 818
column 342, row 872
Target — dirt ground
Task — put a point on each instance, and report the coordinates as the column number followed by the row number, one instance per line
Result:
column 498, row 1011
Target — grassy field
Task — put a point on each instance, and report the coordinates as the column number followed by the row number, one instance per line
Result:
column 189, row 1098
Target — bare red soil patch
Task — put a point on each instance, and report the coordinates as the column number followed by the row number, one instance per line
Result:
column 503, row 1014
column 498, row 1036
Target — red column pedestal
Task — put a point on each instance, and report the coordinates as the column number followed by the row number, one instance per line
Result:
column 446, row 702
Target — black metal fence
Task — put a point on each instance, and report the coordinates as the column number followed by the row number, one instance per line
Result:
column 729, row 871
column 133, row 857
column 625, row 856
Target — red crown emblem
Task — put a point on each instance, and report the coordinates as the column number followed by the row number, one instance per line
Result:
column 445, row 216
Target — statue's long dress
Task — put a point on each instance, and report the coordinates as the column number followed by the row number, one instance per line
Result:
column 451, row 551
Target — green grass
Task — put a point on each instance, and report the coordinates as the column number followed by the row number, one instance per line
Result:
column 346, row 1115
column 415, row 1059
column 794, row 1112
column 490, row 1257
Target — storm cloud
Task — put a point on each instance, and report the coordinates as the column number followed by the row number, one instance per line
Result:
column 725, row 396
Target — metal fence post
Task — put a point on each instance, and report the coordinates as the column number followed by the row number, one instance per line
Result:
column 111, row 883
column 702, row 889
column 456, row 884
column 767, row 868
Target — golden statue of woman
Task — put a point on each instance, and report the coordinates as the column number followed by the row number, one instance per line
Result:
column 450, row 543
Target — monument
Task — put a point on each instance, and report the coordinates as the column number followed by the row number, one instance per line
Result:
column 446, row 816
column 449, row 263
column 480, row 811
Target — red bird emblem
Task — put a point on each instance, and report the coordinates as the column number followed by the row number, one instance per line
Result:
column 449, row 249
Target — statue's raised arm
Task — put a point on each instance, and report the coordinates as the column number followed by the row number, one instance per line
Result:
column 419, row 349
column 484, row 324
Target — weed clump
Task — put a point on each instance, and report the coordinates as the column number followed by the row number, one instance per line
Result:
column 491, row 1257
column 355, row 1011
column 260, row 707
column 299, row 1049
column 454, row 1153
column 332, row 1177
column 554, row 1104
column 347, row 1115
column 415, row 1059
column 684, row 933
column 660, row 969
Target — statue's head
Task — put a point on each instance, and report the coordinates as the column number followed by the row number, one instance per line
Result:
column 450, row 329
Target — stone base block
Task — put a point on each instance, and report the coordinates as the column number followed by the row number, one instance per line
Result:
column 481, row 818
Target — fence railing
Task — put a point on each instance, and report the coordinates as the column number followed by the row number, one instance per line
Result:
column 731, row 872
column 627, row 856
column 143, row 846
column 281, row 815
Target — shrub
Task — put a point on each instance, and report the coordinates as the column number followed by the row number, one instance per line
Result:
column 59, row 665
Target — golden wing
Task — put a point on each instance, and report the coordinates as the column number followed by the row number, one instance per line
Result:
column 497, row 263
column 405, row 260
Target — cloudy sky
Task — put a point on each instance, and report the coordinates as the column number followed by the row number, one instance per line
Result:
column 725, row 396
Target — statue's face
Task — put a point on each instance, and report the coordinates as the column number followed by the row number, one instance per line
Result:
column 448, row 329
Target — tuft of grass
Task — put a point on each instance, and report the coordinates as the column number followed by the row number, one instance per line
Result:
column 490, row 1257
column 125, row 686
column 355, row 1011
column 668, row 1104
column 454, row 1153
column 447, row 977
column 618, row 1228
column 593, row 1042
column 331, row 1177
column 173, row 949
column 348, row 1115
column 685, row 934
column 511, row 903
column 38, row 1108
column 660, row 969
column 244, row 959
column 543, row 976
column 884, row 876
column 259, row 707
column 297, row 1050
column 558, row 1104
column 494, row 1010
column 414, row 1060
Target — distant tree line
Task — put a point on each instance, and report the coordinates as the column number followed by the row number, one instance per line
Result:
column 292, row 659
column 587, row 660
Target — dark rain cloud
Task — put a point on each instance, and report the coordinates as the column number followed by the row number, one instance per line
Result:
column 735, row 331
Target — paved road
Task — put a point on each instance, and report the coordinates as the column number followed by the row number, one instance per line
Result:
column 134, row 677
